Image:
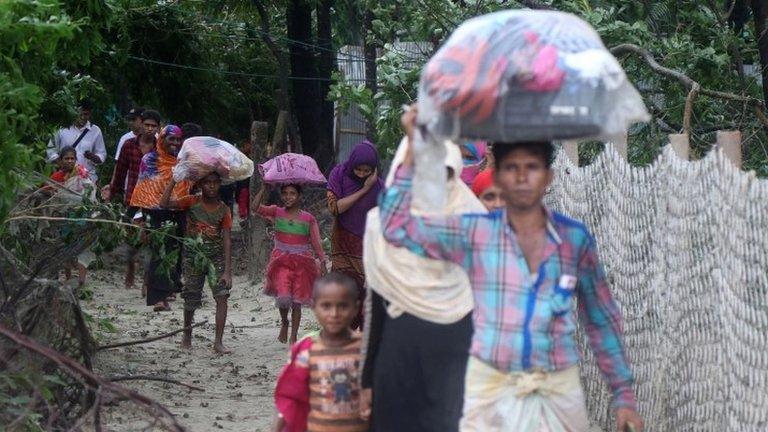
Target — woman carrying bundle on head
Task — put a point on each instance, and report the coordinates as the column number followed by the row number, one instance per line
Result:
column 155, row 173
column 293, row 265
column 353, row 188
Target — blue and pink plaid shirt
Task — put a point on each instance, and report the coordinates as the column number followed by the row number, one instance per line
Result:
column 523, row 321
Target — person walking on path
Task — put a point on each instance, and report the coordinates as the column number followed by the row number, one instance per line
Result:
column 527, row 265
column 418, row 322
column 74, row 177
column 85, row 137
column 296, row 260
column 353, row 188
column 209, row 219
column 126, row 171
column 154, row 176
column 484, row 187
column 133, row 119
column 318, row 390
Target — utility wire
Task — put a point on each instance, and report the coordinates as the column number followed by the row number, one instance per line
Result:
column 346, row 56
column 225, row 72
column 274, row 36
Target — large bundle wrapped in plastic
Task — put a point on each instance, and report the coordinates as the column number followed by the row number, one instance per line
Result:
column 292, row 168
column 200, row 156
column 526, row 75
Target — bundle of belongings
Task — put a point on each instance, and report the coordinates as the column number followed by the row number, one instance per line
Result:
column 200, row 156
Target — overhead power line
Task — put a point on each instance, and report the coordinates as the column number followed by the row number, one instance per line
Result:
column 225, row 72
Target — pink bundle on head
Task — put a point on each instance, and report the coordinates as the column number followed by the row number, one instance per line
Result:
column 291, row 168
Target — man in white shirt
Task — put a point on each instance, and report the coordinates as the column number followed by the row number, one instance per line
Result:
column 85, row 137
column 133, row 119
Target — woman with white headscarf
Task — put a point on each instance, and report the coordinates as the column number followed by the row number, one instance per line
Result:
column 419, row 310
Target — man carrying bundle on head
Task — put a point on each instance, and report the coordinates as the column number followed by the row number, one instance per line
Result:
column 526, row 265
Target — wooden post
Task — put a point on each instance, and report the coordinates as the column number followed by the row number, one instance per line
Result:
column 620, row 144
column 258, row 245
column 680, row 144
column 571, row 149
column 730, row 142
column 281, row 128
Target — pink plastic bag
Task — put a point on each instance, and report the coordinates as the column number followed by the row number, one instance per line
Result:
column 200, row 156
column 291, row 168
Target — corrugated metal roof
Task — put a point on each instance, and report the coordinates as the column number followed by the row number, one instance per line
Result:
column 349, row 127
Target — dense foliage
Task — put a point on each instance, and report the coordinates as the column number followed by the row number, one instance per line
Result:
column 709, row 41
column 213, row 63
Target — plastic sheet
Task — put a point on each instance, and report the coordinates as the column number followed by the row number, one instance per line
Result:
column 526, row 75
column 200, row 156
column 292, row 168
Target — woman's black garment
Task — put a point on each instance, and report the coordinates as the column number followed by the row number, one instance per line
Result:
column 375, row 315
column 162, row 283
column 418, row 375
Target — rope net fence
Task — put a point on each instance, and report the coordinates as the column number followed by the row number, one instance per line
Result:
column 685, row 246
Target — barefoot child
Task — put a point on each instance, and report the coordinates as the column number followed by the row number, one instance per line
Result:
column 318, row 390
column 292, row 268
column 209, row 218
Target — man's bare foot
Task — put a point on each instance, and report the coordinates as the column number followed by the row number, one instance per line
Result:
column 221, row 349
column 292, row 341
column 283, row 336
column 144, row 291
column 162, row 307
column 186, row 343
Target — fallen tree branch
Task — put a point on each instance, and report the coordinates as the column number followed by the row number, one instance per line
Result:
column 151, row 339
column 689, row 83
column 688, row 113
column 94, row 381
column 154, row 378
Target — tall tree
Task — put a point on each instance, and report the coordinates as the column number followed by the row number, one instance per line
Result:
column 760, row 14
column 282, row 95
column 324, row 154
column 305, row 89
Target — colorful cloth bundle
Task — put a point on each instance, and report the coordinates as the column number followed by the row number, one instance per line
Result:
column 200, row 156
column 155, row 172
column 291, row 168
column 526, row 75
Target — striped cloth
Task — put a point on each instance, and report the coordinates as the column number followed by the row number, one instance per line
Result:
column 523, row 320
column 334, row 390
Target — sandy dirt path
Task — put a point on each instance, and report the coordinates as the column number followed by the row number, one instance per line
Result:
column 238, row 387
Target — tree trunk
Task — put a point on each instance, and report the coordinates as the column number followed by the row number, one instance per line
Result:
column 760, row 13
column 283, row 72
column 305, row 94
column 258, row 243
column 325, row 154
column 369, row 51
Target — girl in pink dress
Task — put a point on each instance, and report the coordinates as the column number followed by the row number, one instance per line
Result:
column 293, row 265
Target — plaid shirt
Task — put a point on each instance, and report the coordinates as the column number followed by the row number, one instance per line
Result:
column 522, row 321
column 127, row 166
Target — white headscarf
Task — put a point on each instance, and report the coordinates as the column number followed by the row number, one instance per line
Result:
column 433, row 290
